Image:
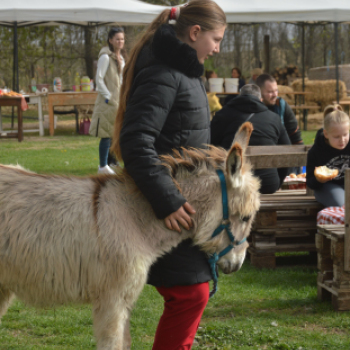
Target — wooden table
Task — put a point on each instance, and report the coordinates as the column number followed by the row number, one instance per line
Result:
column 68, row 99
column 12, row 102
column 299, row 104
column 300, row 94
column 303, row 112
column 223, row 95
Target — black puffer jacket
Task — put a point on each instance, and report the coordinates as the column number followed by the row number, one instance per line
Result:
column 321, row 153
column 167, row 109
column 268, row 130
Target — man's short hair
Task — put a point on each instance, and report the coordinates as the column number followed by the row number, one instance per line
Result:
column 263, row 78
column 251, row 89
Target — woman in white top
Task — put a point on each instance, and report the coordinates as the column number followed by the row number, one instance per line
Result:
column 108, row 80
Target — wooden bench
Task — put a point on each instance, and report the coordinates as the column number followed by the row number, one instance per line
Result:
column 333, row 258
column 286, row 221
column 303, row 112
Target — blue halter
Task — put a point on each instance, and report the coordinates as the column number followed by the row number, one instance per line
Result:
column 225, row 225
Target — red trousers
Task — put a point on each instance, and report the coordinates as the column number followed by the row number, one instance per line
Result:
column 183, row 309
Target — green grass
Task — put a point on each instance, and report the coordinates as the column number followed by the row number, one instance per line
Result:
column 309, row 137
column 253, row 309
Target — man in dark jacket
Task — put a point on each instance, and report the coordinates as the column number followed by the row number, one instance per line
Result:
column 268, row 130
column 269, row 94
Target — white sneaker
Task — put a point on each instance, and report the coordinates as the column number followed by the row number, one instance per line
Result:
column 105, row 170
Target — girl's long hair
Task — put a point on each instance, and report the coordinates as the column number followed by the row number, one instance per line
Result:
column 205, row 13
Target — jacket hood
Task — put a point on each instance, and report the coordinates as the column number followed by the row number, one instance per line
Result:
column 105, row 51
column 166, row 48
column 248, row 104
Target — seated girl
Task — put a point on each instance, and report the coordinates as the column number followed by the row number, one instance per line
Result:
column 331, row 149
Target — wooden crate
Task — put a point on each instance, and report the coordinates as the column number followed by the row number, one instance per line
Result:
column 286, row 221
column 333, row 258
column 333, row 282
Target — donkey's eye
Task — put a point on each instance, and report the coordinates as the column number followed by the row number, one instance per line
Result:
column 245, row 218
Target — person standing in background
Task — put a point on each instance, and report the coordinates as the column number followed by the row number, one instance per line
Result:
column 108, row 81
column 209, row 74
column 236, row 74
column 255, row 74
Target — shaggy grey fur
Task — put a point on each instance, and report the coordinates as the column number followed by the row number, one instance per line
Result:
column 92, row 240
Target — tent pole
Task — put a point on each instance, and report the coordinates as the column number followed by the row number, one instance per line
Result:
column 303, row 54
column 15, row 78
column 336, row 59
column 303, row 71
column 15, row 42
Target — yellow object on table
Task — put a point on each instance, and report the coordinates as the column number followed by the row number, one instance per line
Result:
column 214, row 102
column 85, row 83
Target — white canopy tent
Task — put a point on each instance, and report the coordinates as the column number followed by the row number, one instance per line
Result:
column 259, row 11
column 296, row 11
column 91, row 12
column 20, row 13
column 133, row 11
column 80, row 12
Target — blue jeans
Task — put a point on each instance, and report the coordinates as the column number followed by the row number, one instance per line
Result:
column 330, row 195
column 105, row 144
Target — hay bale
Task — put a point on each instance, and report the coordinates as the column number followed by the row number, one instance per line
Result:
column 282, row 90
column 315, row 121
column 323, row 91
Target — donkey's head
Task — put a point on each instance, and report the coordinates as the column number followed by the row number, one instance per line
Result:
column 196, row 173
column 236, row 200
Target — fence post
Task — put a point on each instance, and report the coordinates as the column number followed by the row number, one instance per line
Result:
column 267, row 53
column 347, row 221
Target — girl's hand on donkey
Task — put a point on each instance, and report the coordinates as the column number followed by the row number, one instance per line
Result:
column 180, row 216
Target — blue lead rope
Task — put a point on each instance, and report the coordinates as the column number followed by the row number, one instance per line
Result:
column 225, row 225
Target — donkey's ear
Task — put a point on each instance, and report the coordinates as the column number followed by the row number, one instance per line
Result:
column 243, row 135
column 234, row 163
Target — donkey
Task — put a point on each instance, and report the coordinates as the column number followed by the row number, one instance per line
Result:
column 93, row 239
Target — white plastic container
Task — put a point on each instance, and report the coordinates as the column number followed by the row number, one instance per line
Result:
column 216, row 84
column 46, row 121
column 231, row 84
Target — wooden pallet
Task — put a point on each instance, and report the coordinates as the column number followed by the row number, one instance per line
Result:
column 286, row 221
column 333, row 256
column 333, row 282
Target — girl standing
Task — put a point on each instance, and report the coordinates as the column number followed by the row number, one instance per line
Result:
column 332, row 149
column 163, row 107
column 108, row 80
